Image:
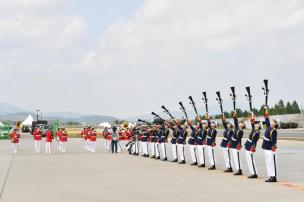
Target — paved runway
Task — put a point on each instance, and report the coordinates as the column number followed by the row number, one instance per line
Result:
column 82, row 176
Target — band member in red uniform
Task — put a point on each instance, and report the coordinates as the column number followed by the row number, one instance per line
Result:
column 108, row 138
column 48, row 141
column 63, row 140
column 14, row 136
column 93, row 140
column 58, row 135
column 89, row 132
column 37, row 139
column 83, row 135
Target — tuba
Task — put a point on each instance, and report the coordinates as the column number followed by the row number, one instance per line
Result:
column 125, row 125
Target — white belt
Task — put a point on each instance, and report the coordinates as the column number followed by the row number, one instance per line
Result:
column 233, row 139
column 191, row 137
column 249, row 140
column 163, row 136
column 199, row 138
column 173, row 137
column 266, row 139
column 208, row 137
column 224, row 138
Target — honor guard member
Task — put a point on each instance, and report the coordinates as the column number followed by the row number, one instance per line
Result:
column 83, row 135
column 200, row 142
column 269, row 146
column 226, row 144
column 63, row 140
column 164, row 132
column 156, row 144
column 58, row 135
column 250, row 146
column 192, row 143
column 152, row 142
column 93, row 140
column 14, row 137
column 210, row 143
column 236, row 144
column 174, row 141
column 181, row 141
column 37, row 139
column 144, row 142
column 48, row 141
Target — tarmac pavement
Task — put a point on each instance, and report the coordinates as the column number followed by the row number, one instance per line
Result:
column 78, row 175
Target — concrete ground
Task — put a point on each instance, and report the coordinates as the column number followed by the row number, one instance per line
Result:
column 82, row 176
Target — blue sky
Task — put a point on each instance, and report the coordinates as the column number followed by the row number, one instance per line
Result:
column 125, row 58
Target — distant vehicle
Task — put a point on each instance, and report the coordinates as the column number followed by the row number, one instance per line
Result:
column 42, row 124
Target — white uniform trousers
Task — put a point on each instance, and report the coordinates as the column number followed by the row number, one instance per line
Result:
column 163, row 150
column 14, row 147
column 157, row 150
column 88, row 145
column 251, row 163
column 227, row 157
column 135, row 148
column 181, row 152
column 93, row 146
column 193, row 153
column 236, row 159
column 145, row 147
column 48, row 149
column 37, row 146
column 201, row 154
column 152, row 148
column 211, row 156
column 174, row 151
column 62, row 146
column 119, row 146
column 107, row 144
column 271, row 160
column 57, row 143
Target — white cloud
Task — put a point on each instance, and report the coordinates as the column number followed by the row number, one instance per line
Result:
column 201, row 44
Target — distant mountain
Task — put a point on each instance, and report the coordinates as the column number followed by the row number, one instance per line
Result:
column 10, row 109
column 63, row 114
column 13, row 113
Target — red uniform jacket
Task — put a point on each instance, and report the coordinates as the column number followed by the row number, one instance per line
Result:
column 89, row 132
column 49, row 136
column 14, row 136
column 93, row 136
column 37, row 134
column 63, row 137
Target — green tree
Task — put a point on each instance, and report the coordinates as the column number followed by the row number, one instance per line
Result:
column 255, row 111
column 295, row 107
column 289, row 109
column 281, row 108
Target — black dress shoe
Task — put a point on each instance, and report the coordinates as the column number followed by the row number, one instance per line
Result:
column 212, row 168
column 136, row 154
column 165, row 159
column 201, row 166
column 239, row 172
column 152, row 157
column 157, row 157
column 175, row 160
column 182, row 162
column 228, row 170
column 252, row 176
column 271, row 179
column 194, row 164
